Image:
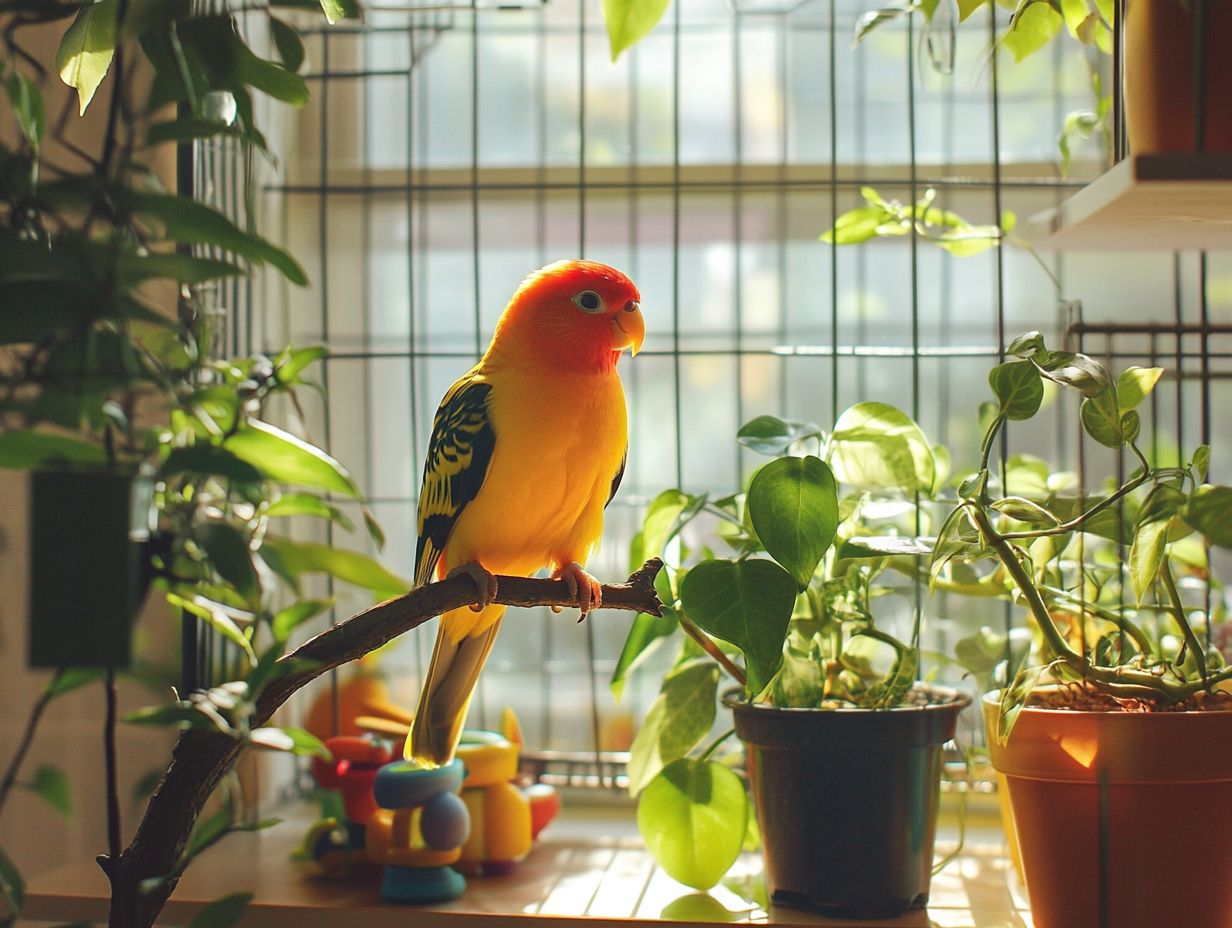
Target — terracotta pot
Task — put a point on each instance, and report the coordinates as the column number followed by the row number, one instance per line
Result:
column 847, row 802
column 1159, row 76
column 1122, row 819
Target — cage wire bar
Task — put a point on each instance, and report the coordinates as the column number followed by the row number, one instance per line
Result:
column 448, row 150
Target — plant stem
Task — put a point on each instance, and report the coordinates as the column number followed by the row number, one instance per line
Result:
column 713, row 650
column 27, row 738
column 1079, row 520
column 1123, row 682
column 715, row 744
column 1177, row 611
column 109, row 750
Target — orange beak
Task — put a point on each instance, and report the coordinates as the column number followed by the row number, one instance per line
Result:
column 628, row 328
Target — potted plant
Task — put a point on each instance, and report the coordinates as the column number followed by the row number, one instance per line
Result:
column 1119, row 729
column 154, row 458
column 843, row 746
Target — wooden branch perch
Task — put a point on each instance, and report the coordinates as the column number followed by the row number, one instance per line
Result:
column 201, row 757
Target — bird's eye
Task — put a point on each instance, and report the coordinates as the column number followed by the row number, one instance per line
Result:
column 589, row 302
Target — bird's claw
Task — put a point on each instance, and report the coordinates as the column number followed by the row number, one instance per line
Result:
column 583, row 587
column 485, row 583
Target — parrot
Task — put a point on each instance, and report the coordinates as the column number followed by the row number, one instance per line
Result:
column 527, row 449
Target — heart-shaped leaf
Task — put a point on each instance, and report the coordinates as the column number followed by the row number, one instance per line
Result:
column 793, row 504
column 680, row 717
column 772, row 435
column 747, row 603
column 877, row 447
column 1018, row 388
column 693, row 817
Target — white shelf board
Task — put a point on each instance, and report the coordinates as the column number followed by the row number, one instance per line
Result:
column 1148, row 202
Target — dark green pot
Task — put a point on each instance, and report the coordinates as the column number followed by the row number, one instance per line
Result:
column 88, row 531
column 847, row 802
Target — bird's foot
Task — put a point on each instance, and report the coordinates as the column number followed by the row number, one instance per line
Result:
column 485, row 582
column 583, row 587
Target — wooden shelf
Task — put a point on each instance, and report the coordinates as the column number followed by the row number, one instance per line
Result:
column 588, row 871
column 1155, row 202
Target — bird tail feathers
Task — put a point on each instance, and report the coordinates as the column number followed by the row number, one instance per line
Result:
column 452, row 675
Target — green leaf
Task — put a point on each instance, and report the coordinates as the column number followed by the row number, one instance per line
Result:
column 291, row 740
column 291, row 362
column 228, row 551
column 1031, row 29
column 222, row 913
column 283, row 457
column 878, row 546
column 180, row 713
column 1202, row 461
column 1014, row 700
column 297, row 557
column 793, row 504
column 1209, row 510
column 1146, row 554
column 666, row 515
column 875, row 18
column 71, row 678
column 87, row 48
column 339, row 9
column 1018, row 388
column 1101, row 418
column 1028, row 346
column 693, row 818
column 132, row 268
column 209, row 459
column 645, row 631
column 27, row 449
column 1070, row 369
column 188, row 129
column 1135, row 384
column 51, row 784
column 288, row 619
column 680, row 717
column 877, row 447
column 27, row 105
column 307, row 504
column 772, row 435
column 12, row 886
column 747, row 603
column 858, row 225
column 1025, row 510
column 290, row 46
column 218, row 619
column 186, row 220
column 630, row 21
column 967, row 7
column 208, row 832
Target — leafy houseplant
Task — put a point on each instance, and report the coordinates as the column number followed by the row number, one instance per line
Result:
column 1118, row 724
column 841, row 743
column 113, row 395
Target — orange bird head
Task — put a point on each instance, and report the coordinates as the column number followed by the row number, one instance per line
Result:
column 574, row 314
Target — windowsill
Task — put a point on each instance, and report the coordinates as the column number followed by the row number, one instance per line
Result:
column 588, row 869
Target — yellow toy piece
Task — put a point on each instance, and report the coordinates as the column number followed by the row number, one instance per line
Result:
column 499, row 811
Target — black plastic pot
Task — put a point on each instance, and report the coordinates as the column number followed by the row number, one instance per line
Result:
column 87, row 565
column 847, row 801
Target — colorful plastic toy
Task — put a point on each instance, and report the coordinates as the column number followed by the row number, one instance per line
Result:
column 339, row 846
column 418, row 831
column 412, row 821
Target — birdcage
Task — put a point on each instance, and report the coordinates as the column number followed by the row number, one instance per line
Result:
column 448, row 149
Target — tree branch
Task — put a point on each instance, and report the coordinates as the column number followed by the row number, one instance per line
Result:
column 201, row 757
